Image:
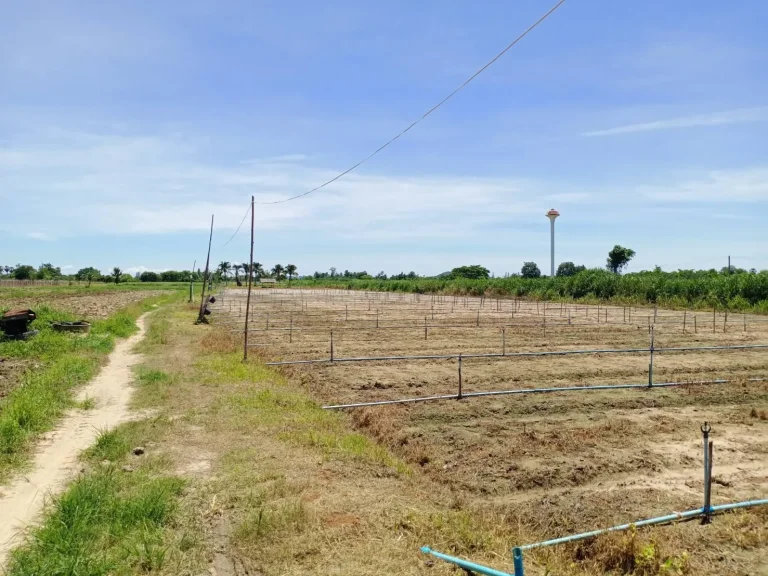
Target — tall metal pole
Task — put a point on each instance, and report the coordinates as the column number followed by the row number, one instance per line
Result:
column 248, row 298
column 552, row 215
column 552, row 246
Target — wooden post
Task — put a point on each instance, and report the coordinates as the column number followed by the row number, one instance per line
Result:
column 248, row 298
column 714, row 320
column 685, row 314
column 425, row 327
column 725, row 321
column 503, row 341
column 744, row 317
column 201, row 315
column 290, row 331
column 695, row 327
column 331, row 345
column 458, row 397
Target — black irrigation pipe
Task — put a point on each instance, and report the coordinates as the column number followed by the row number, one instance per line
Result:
column 535, row 391
column 517, row 354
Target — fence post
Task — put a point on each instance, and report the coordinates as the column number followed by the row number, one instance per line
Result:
column 714, row 320
column 478, row 318
column 744, row 317
column 458, row 397
column 503, row 341
column 650, row 365
column 569, row 317
column 331, row 345
column 705, row 430
column 425, row 327
column 685, row 314
column 346, row 313
column 695, row 326
column 290, row 331
column 725, row 322
column 377, row 317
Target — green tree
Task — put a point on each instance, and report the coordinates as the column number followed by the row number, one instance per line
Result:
column 569, row 269
column 618, row 259
column 530, row 270
column 23, row 272
column 474, row 272
column 278, row 272
column 290, row 270
column 48, row 272
column 88, row 273
column 258, row 269
column 236, row 268
column 116, row 274
column 223, row 270
column 149, row 276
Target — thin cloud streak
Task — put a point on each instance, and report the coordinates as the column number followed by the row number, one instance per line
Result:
column 739, row 116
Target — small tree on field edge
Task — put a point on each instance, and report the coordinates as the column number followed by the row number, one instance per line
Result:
column 569, row 269
column 474, row 272
column 116, row 273
column 530, row 270
column 290, row 270
column 618, row 259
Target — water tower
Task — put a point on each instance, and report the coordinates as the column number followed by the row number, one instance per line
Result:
column 552, row 215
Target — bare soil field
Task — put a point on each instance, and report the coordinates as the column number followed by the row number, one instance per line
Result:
column 85, row 306
column 570, row 461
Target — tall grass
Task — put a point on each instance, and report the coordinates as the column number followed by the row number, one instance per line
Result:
column 685, row 288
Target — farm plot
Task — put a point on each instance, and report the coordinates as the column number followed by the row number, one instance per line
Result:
column 84, row 305
column 570, row 460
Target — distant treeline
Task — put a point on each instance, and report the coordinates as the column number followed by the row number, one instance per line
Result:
column 91, row 274
column 735, row 289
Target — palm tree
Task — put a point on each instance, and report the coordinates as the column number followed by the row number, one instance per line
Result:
column 278, row 271
column 258, row 269
column 116, row 272
column 291, row 271
column 236, row 268
column 223, row 269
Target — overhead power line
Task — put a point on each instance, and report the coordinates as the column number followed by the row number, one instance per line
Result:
column 238, row 227
column 427, row 113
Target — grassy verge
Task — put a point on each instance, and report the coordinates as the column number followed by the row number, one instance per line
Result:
column 60, row 363
column 111, row 520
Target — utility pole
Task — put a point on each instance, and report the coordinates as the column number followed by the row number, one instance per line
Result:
column 248, row 299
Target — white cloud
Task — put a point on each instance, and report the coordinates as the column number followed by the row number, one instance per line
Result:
column 38, row 236
column 84, row 183
column 722, row 186
column 740, row 116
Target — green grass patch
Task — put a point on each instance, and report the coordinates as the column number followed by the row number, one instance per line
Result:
column 153, row 387
column 107, row 522
column 268, row 401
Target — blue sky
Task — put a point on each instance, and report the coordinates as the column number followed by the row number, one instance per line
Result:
column 123, row 126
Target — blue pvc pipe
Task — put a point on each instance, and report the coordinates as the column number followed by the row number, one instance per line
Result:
column 648, row 522
column 466, row 565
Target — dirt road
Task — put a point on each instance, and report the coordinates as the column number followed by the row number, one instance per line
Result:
column 56, row 460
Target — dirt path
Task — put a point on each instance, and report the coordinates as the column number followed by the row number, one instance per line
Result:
column 56, row 460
